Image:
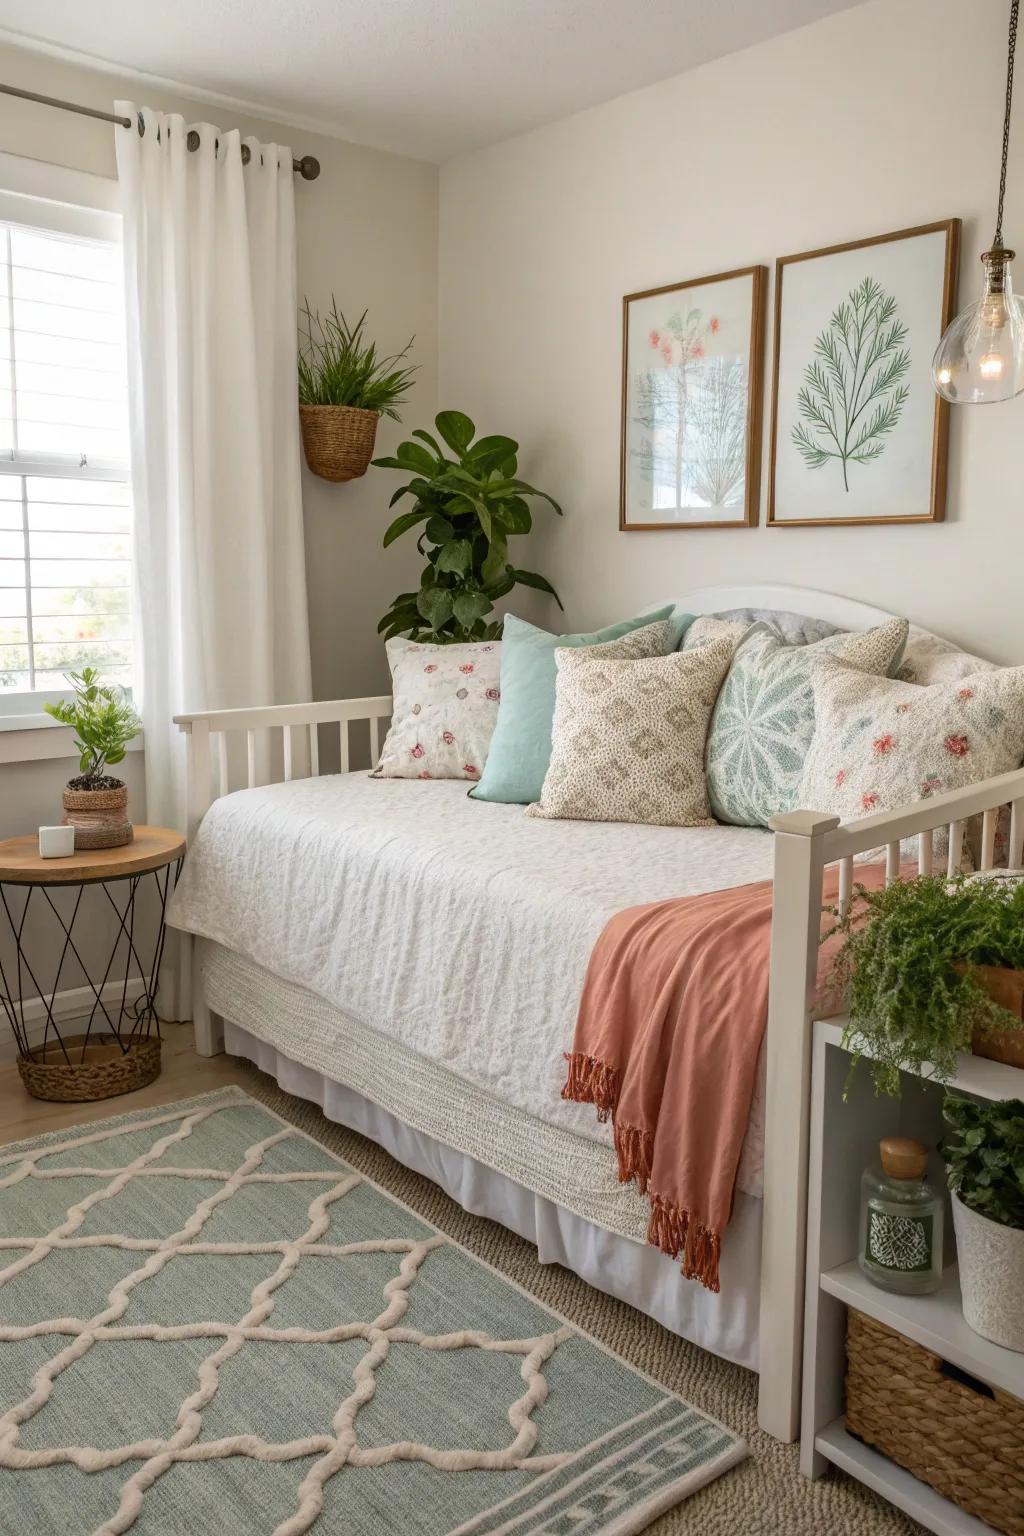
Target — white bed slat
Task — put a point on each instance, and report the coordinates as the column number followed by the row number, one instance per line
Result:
column 988, row 838
column 845, row 885
column 956, row 848
column 222, row 763
column 924, row 853
column 343, row 746
column 379, row 735
column 250, row 738
column 286, row 741
column 892, row 862
column 314, row 751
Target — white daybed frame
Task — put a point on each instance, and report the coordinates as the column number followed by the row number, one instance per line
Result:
column 806, row 842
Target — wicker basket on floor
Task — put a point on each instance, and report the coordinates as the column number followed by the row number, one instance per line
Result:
column 964, row 1439
column 93, row 1069
column 338, row 440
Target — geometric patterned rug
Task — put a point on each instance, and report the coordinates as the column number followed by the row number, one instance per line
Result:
column 208, row 1322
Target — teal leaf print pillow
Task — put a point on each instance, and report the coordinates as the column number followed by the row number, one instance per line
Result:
column 763, row 722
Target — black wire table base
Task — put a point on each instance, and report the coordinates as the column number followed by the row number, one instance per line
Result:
column 114, row 1016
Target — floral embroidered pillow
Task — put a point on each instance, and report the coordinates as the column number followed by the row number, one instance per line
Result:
column 880, row 744
column 445, row 706
column 764, row 719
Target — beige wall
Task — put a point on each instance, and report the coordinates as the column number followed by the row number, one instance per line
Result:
column 879, row 118
column 367, row 230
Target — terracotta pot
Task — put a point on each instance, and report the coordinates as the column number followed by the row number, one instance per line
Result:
column 99, row 817
column 1006, row 988
column 338, row 440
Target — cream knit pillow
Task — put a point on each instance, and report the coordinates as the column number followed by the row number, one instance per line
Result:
column 879, row 744
column 628, row 737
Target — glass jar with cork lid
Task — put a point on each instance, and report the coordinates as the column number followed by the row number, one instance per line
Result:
column 901, row 1220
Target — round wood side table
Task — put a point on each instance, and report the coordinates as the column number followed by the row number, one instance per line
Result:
column 120, row 1047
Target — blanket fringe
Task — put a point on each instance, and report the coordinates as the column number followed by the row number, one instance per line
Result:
column 634, row 1149
column 676, row 1232
column 590, row 1081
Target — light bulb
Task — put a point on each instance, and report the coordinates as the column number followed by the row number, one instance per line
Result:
column 980, row 358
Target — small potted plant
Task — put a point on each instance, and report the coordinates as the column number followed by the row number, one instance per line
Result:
column 985, row 1167
column 104, row 722
column 344, row 389
column 911, row 966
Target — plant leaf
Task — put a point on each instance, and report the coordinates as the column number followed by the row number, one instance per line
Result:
column 531, row 579
column 435, row 605
column 456, row 556
column 439, row 530
column 470, row 606
column 456, row 429
column 489, row 453
column 404, row 523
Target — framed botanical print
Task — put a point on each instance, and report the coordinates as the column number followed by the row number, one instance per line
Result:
column 690, row 451
column 858, row 433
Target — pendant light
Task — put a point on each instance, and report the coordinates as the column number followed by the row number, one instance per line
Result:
column 980, row 358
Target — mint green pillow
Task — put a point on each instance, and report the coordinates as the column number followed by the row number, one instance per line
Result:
column 520, row 749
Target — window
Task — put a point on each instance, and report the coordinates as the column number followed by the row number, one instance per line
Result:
column 65, row 506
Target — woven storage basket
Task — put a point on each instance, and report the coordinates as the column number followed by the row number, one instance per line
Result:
column 966, row 1441
column 338, row 440
column 102, row 1071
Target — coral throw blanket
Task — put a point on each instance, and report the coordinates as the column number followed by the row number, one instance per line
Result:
column 672, row 1016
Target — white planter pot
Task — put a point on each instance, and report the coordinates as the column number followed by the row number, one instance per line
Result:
column 991, row 1276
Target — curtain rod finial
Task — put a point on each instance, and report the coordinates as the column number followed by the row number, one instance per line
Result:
column 308, row 167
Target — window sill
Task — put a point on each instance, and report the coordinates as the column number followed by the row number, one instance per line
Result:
column 33, row 738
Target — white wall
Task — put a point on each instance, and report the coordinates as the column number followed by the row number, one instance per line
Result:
column 879, row 118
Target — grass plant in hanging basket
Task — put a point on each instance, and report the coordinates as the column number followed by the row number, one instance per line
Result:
column 344, row 389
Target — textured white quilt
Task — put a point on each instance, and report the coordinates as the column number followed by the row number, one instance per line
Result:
column 461, row 928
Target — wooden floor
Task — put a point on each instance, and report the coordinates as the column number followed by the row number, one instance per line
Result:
column 183, row 1073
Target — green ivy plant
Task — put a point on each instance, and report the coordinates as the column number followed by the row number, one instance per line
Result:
column 905, row 965
column 471, row 503
column 985, row 1156
column 104, row 722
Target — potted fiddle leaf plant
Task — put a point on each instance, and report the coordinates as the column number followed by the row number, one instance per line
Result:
column 984, row 1155
column 344, row 389
column 928, row 967
column 470, row 501
column 104, row 722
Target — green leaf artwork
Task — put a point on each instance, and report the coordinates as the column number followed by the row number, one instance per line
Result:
column 854, row 392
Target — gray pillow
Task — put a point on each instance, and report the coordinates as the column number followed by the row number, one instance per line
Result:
column 795, row 628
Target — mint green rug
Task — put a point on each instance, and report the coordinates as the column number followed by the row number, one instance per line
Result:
column 209, row 1323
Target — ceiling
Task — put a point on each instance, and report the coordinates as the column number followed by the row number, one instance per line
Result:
column 427, row 78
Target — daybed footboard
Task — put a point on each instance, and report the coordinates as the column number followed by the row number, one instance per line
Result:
column 806, row 843
column 287, row 741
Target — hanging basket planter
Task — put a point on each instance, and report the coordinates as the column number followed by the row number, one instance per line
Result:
column 338, row 440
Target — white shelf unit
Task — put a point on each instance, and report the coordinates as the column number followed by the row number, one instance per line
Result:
column 844, row 1136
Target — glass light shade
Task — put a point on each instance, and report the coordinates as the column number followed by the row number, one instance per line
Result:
column 980, row 358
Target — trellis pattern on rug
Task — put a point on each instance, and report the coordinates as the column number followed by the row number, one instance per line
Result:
column 335, row 1449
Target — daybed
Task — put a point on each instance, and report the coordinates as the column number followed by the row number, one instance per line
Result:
column 412, row 960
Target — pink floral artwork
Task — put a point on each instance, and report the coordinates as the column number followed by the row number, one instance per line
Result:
column 467, row 667
column 471, row 771
column 448, row 738
column 930, row 786
column 423, row 774
column 416, row 751
column 957, row 746
column 965, row 693
column 882, row 745
column 494, row 694
column 431, row 666
column 868, row 800
column 840, row 778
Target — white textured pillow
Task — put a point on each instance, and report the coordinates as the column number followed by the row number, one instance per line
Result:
column 628, row 737
column 445, row 705
column 703, row 630
column 927, row 659
column 880, row 744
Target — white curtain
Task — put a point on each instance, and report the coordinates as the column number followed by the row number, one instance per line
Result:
column 209, row 245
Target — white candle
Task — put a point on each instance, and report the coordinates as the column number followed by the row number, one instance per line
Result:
column 56, row 842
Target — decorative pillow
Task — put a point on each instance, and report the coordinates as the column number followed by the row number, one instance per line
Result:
column 702, row 631
column 797, row 628
column 764, row 718
column 879, row 744
column 628, row 737
column 445, row 707
column 521, row 749
column 930, row 659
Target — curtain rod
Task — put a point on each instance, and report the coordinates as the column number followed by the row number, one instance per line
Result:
column 308, row 167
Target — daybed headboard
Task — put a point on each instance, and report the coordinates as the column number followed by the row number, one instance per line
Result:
column 843, row 612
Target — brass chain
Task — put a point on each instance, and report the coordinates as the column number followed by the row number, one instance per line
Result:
column 1014, row 9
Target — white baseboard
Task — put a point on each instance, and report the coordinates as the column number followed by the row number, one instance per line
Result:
column 69, row 1007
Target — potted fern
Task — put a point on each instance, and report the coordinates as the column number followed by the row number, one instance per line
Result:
column 915, row 966
column 985, row 1168
column 344, row 389
column 470, row 501
column 104, row 722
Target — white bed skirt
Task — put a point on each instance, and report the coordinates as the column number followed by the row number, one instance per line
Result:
column 726, row 1324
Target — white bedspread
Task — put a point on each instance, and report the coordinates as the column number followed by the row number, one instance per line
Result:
column 460, row 928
